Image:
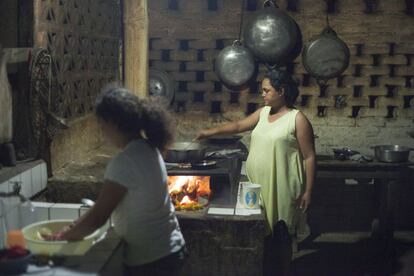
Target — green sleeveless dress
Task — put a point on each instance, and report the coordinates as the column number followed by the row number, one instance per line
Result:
column 276, row 164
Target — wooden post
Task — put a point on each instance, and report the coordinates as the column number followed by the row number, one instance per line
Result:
column 135, row 19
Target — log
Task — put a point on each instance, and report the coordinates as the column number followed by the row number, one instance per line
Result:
column 6, row 119
column 135, row 19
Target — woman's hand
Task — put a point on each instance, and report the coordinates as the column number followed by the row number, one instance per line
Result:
column 304, row 201
column 203, row 134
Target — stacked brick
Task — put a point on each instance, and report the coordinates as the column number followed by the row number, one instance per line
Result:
column 379, row 81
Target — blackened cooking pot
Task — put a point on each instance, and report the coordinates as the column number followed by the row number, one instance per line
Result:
column 392, row 153
column 325, row 56
column 272, row 35
column 183, row 152
column 235, row 66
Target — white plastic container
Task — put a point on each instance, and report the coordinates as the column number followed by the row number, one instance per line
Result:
column 60, row 248
column 250, row 195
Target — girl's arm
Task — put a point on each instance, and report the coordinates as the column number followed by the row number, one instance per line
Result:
column 110, row 196
column 304, row 135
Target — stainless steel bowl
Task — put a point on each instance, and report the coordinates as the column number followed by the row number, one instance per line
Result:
column 392, row 153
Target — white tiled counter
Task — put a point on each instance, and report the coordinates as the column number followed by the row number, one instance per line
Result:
column 32, row 177
column 104, row 258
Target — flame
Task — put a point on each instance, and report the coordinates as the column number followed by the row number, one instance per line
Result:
column 185, row 189
column 186, row 200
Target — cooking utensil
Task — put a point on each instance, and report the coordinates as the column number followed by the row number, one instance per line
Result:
column 223, row 153
column 224, row 139
column 325, row 56
column 204, row 164
column 272, row 35
column 392, row 153
column 343, row 153
column 235, row 66
column 86, row 202
column 161, row 84
column 182, row 152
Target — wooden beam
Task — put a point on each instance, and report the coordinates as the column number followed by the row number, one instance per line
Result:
column 135, row 19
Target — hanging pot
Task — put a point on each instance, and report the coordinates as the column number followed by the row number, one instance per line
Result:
column 272, row 35
column 326, row 56
column 235, row 65
column 161, row 84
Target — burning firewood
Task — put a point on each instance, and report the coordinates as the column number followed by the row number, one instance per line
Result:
column 189, row 192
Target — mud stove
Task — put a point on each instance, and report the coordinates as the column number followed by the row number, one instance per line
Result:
column 218, row 244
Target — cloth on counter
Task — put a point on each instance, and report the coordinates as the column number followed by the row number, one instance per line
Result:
column 360, row 158
column 220, row 211
column 243, row 169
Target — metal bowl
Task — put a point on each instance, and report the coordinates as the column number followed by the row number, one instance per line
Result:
column 182, row 152
column 392, row 153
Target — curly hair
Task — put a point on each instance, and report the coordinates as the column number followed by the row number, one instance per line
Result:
column 282, row 79
column 131, row 115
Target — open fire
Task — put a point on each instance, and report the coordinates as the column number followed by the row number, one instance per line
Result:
column 189, row 192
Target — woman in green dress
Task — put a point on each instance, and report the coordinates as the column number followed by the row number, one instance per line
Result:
column 282, row 154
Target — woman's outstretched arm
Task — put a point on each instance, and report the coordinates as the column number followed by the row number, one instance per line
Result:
column 242, row 125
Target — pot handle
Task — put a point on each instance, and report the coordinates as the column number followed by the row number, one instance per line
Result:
column 268, row 3
column 237, row 43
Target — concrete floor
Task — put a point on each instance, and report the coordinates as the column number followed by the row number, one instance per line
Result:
column 354, row 253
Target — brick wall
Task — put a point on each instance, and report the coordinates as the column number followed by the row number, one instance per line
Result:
column 378, row 86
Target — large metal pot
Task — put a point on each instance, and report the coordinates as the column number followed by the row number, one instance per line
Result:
column 235, row 65
column 326, row 56
column 392, row 153
column 183, row 152
column 272, row 35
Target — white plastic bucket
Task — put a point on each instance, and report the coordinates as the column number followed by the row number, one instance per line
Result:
column 250, row 195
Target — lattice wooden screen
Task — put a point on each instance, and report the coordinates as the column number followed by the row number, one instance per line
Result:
column 83, row 37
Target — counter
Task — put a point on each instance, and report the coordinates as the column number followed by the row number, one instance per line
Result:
column 217, row 245
column 386, row 177
column 104, row 258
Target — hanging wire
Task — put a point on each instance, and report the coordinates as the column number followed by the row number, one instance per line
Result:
column 327, row 18
column 241, row 19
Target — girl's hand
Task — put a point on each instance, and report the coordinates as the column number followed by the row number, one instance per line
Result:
column 54, row 237
column 59, row 236
column 304, row 201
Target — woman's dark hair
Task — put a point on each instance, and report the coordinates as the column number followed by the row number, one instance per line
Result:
column 281, row 79
column 132, row 114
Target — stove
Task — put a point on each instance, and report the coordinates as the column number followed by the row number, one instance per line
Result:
column 223, row 177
